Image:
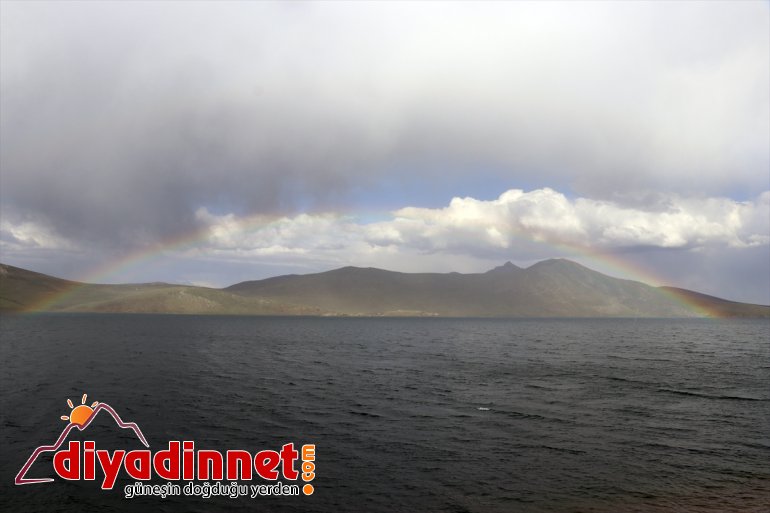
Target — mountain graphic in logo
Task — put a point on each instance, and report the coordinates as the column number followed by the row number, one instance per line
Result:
column 80, row 417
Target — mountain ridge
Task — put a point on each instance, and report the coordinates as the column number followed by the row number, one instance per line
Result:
column 550, row 288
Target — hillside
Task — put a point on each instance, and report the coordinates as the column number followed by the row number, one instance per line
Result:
column 22, row 290
column 551, row 288
column 719, row 307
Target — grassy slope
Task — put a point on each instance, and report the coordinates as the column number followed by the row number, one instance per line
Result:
column 720, row 307
column 553, row 288
column 21, row 290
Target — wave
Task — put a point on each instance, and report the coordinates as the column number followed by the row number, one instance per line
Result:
column 710, row 396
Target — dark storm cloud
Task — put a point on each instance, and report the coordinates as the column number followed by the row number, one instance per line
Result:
column 113, row 134
column 119, row 120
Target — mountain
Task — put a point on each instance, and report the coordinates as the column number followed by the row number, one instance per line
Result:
column 22, row 290
column 551, row 288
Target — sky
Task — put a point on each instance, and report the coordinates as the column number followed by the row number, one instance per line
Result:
column 214, row 142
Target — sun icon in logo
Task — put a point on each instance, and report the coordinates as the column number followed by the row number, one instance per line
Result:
column 82, row 413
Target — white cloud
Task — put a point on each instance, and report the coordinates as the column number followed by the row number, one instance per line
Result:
column 507, row 225
column 28, row 235
column 686, row 241
column 517, row 225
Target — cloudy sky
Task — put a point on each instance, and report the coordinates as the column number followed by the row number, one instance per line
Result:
column 210, row 143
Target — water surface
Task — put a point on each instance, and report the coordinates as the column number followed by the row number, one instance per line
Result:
column 409, row 414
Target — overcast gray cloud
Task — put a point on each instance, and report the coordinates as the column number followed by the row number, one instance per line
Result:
column 122, row 122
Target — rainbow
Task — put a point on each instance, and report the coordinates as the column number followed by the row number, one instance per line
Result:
column 135, row 258
column 607, row 262
column 612, row 264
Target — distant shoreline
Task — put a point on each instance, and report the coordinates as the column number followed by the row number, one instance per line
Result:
column 556, row 288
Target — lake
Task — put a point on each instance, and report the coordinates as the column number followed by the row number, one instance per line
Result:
column 455, row 415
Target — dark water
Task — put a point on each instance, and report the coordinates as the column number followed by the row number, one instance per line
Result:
column 408, row 414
